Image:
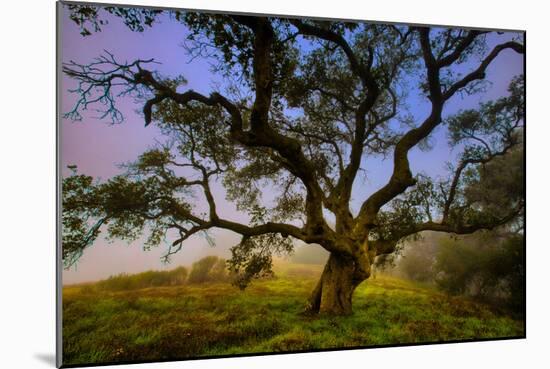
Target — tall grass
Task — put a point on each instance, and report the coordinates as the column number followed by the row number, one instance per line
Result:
column 152, row 278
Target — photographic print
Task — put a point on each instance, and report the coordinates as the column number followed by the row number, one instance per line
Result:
column 242, row 184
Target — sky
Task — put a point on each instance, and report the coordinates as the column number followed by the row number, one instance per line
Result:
column 98, row 147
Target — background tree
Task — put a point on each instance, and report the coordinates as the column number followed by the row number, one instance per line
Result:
column 489, row 265
column 306, row 103
column 417, row 258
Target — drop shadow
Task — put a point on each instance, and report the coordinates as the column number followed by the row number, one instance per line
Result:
column 46, row 358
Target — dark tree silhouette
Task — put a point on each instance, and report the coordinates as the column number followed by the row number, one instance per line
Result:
column 306, row 102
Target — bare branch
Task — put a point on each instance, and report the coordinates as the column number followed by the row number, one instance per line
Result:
column 401, row 177
column 479, row 72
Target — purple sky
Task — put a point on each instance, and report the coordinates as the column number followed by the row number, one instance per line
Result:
column 97, row 147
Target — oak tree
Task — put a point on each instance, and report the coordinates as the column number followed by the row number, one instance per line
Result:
column 305, row 104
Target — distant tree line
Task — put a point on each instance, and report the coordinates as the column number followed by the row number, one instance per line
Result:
column 487, row 266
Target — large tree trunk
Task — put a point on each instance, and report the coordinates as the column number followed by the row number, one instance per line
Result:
column 334, row 291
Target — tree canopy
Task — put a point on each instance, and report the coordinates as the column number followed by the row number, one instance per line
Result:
column 304, row 104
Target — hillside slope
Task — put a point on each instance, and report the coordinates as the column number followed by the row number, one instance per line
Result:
column 175, row 322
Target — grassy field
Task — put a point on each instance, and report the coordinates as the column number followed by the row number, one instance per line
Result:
column 175, row 322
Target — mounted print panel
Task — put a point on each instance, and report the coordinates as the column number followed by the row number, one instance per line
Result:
column 236, row 184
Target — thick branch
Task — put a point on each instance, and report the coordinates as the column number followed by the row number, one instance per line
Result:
column 383, row 247
column 465, row 229
column 342, row 191
column 358, row 68
column 250, row 231
column 458, row 173
column 459, row 49
column 401, row 177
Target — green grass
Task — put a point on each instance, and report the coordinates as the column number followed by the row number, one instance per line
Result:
column 174, row 322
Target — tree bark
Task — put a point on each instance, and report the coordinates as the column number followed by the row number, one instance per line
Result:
column 333, row 293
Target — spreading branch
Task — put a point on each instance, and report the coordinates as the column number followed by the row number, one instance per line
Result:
column 402, row 177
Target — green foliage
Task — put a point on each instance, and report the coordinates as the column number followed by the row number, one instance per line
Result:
column 77, row 235
column 418, row 204
column 252, row 257
column 458, row 263
column 197, row 134
column 87, row 17
column 208, row 269
column 510, row 268
column 102, row 326
column 497, row 187
column 493, row 125
column 123, row 206
column 487, row 268
column 231, row 46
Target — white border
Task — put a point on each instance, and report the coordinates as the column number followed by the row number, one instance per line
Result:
column 27, row 154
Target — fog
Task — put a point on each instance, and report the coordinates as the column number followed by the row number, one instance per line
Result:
column 104, row 259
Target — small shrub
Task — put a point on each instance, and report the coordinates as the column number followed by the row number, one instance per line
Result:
column 208, row 269
column 490, row 269
column 218, row 271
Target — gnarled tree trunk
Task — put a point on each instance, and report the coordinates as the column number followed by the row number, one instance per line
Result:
column 334, row 291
